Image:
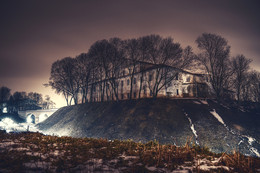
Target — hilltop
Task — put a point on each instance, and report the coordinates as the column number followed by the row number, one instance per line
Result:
column 220, row 127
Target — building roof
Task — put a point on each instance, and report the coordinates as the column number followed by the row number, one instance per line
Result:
column 153, row 66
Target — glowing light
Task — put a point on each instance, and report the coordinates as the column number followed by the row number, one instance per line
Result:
column 43, row 117
column 30, row 119
column 8, row 121
column 5, row 110
column 8, row 124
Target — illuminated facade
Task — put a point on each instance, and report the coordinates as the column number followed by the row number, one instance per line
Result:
column 170, row 82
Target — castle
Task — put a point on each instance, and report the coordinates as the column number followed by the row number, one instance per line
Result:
column 146, row 80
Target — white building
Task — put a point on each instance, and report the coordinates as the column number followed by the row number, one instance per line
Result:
column 149, row 79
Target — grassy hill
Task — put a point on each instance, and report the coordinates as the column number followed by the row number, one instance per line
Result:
column 169, row 121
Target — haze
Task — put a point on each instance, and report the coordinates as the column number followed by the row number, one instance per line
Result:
column 34, row 34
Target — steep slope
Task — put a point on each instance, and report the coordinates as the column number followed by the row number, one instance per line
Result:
column 208, row 123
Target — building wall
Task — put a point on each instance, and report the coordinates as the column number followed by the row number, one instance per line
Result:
column 184, row 85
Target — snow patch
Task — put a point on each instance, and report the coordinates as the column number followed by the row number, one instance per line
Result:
column 180, row 171
column 9, row 125
column 216, row 115
column 151, row 168
column 125, row 157
column 204, row 102
column 196, row 102
column 240, row 142
column 254, row 150
column 250, row 139
column 208, row 168
column 192, row 128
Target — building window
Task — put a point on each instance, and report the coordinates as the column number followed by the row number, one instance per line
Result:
column 188, row 79
column 144, row 90
column 177, row 92
column 168, row 94
column 122, row 96
column 123, row 72
column 134, row 80
column 177, row 76
column 128, row 95
column 128, row 81
column 122, row 83
column 134, row 94
column 150, row 77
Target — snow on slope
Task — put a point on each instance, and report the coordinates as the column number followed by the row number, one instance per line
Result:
column 192, row 128
column 214, row 113
column 250, row 139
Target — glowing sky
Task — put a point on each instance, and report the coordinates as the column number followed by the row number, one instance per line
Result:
column 33, row 34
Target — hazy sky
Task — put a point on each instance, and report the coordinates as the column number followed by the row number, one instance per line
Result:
column 33, row 34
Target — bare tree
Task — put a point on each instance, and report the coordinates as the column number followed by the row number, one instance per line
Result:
column 167, row 57
column 215, row 59
column 240, row 67
column 116, row 60
column 84, row 66
column 108, row 56
column 48, row 103
column 254, row 86
column 132, row 54
column 100, row 52
column 4, row 94
column 63, row 79
column 17, row 96
column 37, row 97
column 143, row 49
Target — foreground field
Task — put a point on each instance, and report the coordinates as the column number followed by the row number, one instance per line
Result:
column 35, row 152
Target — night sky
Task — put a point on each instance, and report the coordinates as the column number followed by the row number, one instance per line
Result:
column 34, row 34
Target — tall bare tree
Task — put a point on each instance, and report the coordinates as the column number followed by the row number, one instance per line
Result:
column 132, row 54
column 240, row 67
column 84, row 67
column 63, row 79
column 215, row 59
column 100, row 52
column 108, row 56
column 143, row 49
column 254, row 85
column 116, row 60
column 167, row 57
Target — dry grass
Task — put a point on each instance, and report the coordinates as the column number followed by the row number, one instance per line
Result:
column 56, row 154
